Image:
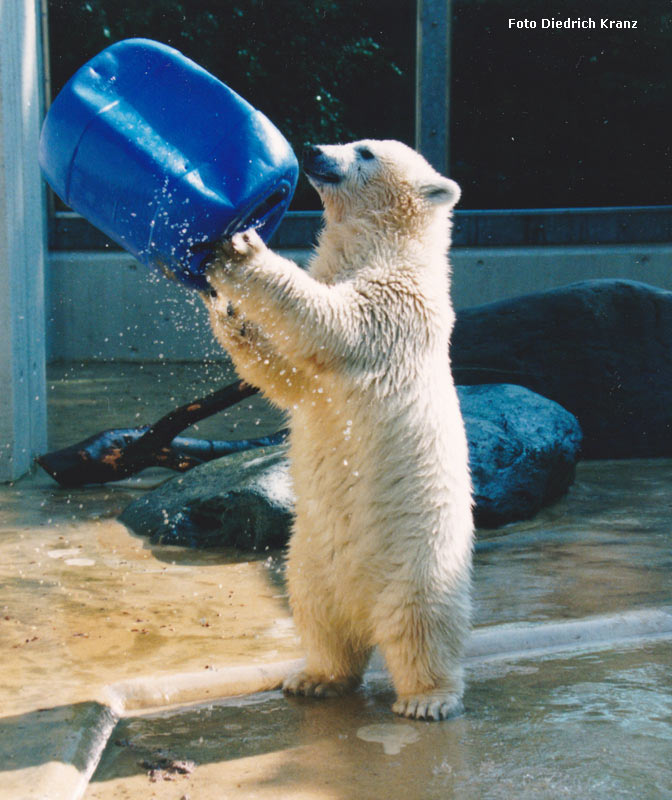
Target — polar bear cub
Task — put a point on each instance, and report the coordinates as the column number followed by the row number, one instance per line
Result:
column 356, row 349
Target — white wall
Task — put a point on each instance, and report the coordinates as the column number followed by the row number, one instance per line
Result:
column 483, row 275
column 22, row 241
column 106, row 306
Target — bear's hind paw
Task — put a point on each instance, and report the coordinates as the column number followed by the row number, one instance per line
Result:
column 307, row 685
column 433, row 706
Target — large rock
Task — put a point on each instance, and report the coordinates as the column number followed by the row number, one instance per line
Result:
column 243, row 500
column 602, row 349
column 523, row 450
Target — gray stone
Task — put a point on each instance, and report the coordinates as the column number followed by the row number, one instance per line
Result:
column 523, row 450
column 600, row 348
column 243, row 500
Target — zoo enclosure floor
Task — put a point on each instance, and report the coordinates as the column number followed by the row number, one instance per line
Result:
column 100, row 630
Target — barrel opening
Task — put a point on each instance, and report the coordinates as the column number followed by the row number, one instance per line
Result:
column 268, row 212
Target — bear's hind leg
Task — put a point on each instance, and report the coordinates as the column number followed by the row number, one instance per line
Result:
column 424, row 692
column 333, row 668
column 424, row 660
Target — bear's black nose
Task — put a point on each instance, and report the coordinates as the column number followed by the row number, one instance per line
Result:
column 310, row 152
column 320, row 167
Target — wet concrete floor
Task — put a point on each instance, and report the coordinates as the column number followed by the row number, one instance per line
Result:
column 86, row 605
column 582, row 726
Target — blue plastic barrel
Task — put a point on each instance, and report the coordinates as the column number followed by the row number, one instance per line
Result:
column 160, row 155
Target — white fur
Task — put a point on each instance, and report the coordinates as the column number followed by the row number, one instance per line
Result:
column 357, row 350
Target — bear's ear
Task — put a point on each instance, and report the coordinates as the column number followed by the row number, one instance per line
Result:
column 441, row 191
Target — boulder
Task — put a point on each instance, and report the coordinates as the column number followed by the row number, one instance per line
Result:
column 242, row 500
column 523, row 449
column 602, row 349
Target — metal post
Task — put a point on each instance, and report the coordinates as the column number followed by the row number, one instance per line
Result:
column 22, row 240
column 432, row 73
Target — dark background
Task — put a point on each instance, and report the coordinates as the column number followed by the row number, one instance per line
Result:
column 546, row 118
column 539, row 118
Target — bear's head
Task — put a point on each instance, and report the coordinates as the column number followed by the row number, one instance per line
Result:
column 384, row 179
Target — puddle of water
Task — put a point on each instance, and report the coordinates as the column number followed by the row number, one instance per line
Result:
column 74, row 551
column 86, row 605
column 392, row 737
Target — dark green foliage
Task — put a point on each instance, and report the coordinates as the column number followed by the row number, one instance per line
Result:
column 540, row 118
column 322, row 72
column 554, row 118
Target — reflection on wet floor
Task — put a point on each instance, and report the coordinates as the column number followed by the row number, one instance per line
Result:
column 85, row 603
column 604, row 547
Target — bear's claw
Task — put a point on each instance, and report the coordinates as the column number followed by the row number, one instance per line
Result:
column 429, row 706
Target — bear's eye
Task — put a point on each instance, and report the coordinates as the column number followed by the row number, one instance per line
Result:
column 365, row 153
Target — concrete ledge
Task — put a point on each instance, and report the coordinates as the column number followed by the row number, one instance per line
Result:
column 517, row 640
column 192, row 687
column 69, row 741
column 531, row 639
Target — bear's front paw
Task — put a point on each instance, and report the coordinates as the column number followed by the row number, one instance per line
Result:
column 242, row 247
column 307, row 685
column 431, row 706
column 231, row 256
